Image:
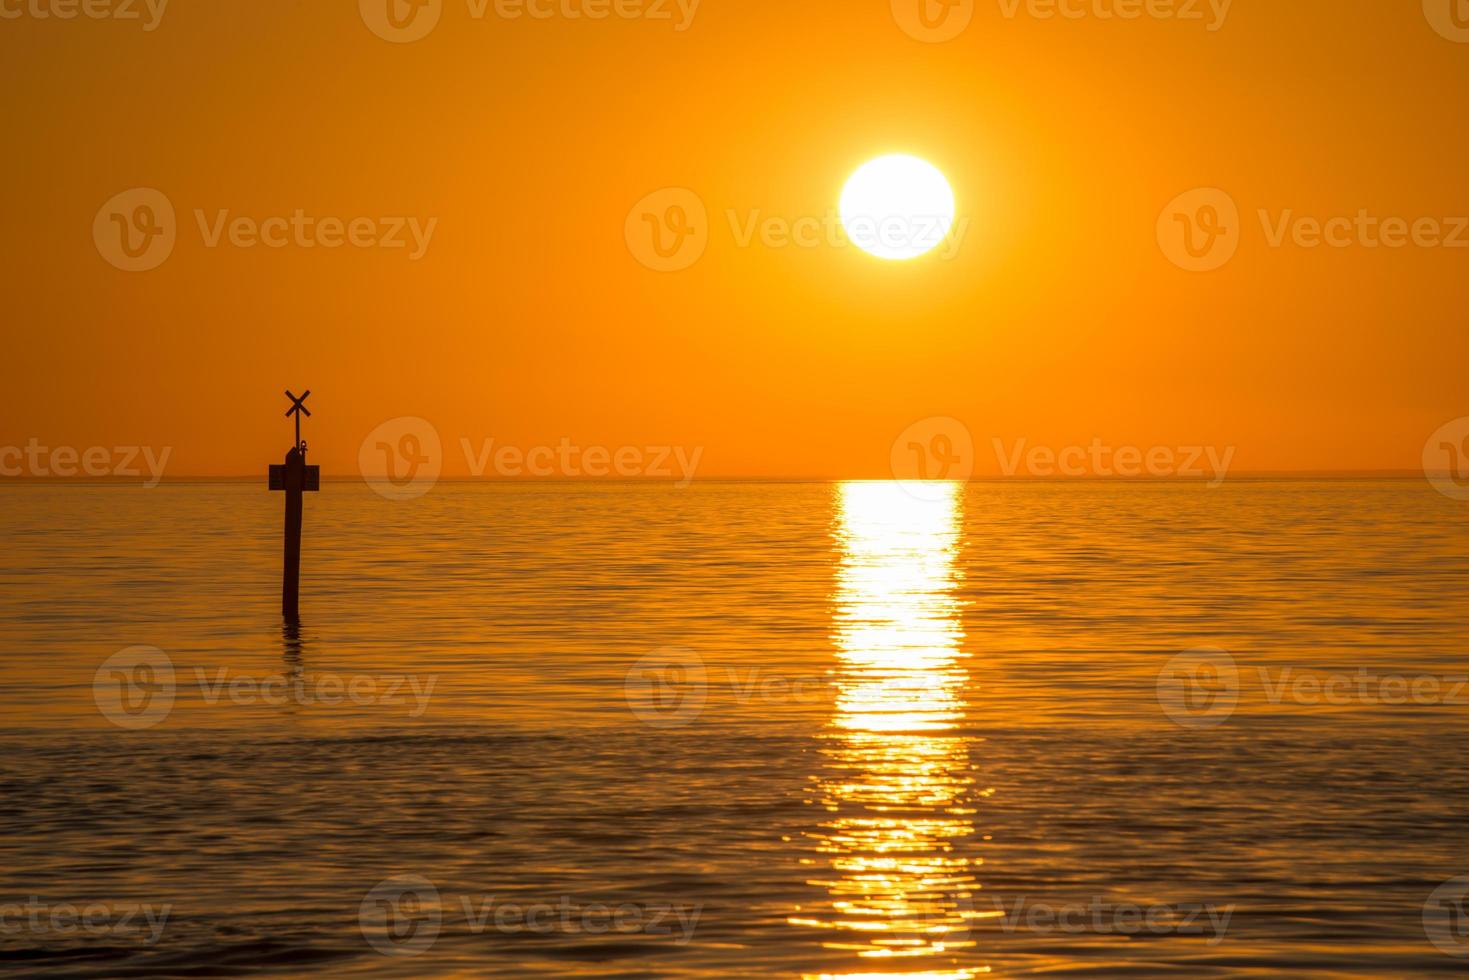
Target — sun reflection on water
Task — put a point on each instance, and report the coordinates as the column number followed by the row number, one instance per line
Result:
column 896, row 782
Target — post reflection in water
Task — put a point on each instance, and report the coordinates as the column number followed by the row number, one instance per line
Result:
column 896, row 779
column 292, row 650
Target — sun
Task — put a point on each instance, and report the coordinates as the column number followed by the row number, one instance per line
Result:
column 897, row 207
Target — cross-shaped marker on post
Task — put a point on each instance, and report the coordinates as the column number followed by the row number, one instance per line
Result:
column 298, row 405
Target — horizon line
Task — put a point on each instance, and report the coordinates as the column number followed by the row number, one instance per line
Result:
column 1380, row 474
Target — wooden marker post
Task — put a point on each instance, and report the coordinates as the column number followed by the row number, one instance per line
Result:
column 294, row 477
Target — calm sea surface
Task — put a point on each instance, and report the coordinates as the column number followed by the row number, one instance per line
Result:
column 737, row 730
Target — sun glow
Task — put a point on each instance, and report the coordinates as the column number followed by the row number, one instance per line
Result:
column 897, row 207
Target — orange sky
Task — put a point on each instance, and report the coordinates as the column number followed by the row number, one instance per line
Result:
column 528, row 319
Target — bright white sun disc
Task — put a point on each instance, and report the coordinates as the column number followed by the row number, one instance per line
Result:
column 897, row 207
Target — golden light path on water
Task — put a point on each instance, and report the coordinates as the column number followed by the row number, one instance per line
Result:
column 897, row 781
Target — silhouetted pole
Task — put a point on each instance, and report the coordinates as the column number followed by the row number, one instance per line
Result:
column 291, row 579
column 294, row 477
